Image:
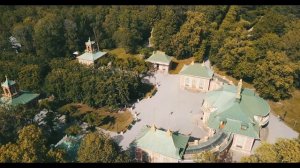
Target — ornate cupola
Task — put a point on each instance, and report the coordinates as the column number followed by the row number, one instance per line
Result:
column 239, row 89
column 90, row 46
column 10, row 88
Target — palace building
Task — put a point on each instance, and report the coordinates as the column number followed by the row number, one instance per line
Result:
column 156, row 145
column 91, row 54
column 236, row 110
column 196, row 77
column 13, row 96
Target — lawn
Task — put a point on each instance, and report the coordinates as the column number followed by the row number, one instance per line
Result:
column 120, row 52
column 178, row 64
column 111, row 121
column 291, row 106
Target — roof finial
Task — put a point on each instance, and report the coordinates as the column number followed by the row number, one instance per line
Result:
column 89, row 39
column 239, row 88
column 153, row 128
column 6, row 77
column 169, row 132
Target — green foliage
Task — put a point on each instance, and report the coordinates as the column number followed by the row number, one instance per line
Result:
column 205, row 157
column 20, row 117
column 30, row 147
column 283, row 151
column 99, row 148
column 187, row 41
column 30, row 77
column 73, row 130
column 275, row 76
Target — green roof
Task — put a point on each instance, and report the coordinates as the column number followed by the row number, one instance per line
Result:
column 91, row 56
column 160, row 58
column 70, row 144
column 8, row 83
column 197, row 70
column 23, row 98
column 159, row 141
column 236, row 113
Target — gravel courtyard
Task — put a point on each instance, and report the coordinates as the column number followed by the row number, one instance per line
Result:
column 170, row 108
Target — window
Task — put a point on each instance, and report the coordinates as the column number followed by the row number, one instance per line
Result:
column 240, row 142
column 201, row 83
column 187, row 82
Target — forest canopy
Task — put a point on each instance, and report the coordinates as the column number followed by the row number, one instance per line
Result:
column 259, row 44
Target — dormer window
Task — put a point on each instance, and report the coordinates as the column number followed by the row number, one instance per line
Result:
column 222, row 123
column 244, row 126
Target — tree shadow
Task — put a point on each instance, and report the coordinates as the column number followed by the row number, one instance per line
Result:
column 108, row 120
column 173, row 65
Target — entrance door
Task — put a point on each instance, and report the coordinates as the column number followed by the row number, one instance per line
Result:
column 194, row 84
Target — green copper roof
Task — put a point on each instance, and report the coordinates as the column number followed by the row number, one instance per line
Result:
column 8, row 83
column 236, row 113
column 23, row 98
column 159, row 57
column 70, row 144
column 196, row 69
column 91, row 56
column 160, row 142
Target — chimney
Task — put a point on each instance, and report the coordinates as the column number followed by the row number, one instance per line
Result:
column 238, row 92
column 153, row 128
column 192, row 62
column 169, row 133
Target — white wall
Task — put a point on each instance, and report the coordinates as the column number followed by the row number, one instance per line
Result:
column 242, row 143
column 194, row 83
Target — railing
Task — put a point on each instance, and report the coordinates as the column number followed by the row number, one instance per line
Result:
column 218, row 143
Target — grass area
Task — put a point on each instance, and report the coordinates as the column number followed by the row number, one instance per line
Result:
column 111, row 121
column 120, row 52
column 178, row 64
column 291, row 106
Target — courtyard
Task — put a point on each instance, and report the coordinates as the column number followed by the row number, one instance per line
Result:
column 170, row 108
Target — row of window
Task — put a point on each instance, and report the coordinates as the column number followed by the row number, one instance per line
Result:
column 192, row 83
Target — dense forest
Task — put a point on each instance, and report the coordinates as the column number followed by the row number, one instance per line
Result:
column 259, row 44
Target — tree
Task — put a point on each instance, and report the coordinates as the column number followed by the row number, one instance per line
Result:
column 99, row 148
column 29, row 148
column 283, row 151
column 30, row 77
column 48, row 36
column 205, row 157
column 164, row 29
column 186, row 42
column 275, row 76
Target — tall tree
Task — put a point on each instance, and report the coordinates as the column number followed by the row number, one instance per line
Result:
column 275, row 76
column 99, row 148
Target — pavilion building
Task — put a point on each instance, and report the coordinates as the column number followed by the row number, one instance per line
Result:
column 196, row 76
column 13, row 96
column 91, row 55
column 161, row 61
column 238, row 111
column 157, row 145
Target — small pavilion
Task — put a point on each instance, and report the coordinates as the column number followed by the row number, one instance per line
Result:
column 13, row 96
column 161, row 61
column 157, row 145
column 196, row 77
column 91, row 54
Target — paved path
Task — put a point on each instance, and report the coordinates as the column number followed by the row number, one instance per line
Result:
column 169, row 98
